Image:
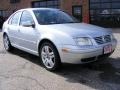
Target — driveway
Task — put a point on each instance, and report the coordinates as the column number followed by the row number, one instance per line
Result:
column 23, row 71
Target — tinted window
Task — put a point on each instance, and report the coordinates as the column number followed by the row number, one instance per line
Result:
column 53, row 17
column 95, row 6
column 26, row 17
column 77, row 12
column 116, row 5
column 46, row 3
column 105, row 12
column 105, row 0
column 15, row 18
column 105, row 5
column 93, row 1
column 14, row 1
column 116, row 11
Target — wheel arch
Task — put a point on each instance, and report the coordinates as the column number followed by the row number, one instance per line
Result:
column 47, row 40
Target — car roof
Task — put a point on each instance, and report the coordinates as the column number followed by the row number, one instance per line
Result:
column 31, row 9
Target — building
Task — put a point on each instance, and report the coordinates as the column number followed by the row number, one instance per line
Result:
column 105, row 12
column 101, row 12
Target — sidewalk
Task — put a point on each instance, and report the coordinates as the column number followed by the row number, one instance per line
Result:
column 116, row 30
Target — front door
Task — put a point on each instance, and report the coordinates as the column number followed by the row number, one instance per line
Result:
column 28, row 34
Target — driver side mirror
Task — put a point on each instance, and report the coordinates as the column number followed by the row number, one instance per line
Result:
column 28, row 24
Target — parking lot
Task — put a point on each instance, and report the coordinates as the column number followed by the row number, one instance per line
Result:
column 22, row 71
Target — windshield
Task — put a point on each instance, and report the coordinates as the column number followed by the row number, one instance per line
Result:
column 53, row 16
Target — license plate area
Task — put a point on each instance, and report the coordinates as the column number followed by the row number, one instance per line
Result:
column 107, row 49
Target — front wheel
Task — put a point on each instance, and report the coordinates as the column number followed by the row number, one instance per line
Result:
column 49, row 56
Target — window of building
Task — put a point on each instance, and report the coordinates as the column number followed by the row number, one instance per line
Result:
column 14, row 1
column 77, row 12
column 1, row 12
column 105, row 12
column 46, row 3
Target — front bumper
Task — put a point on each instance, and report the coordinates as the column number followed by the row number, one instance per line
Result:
column 76, row 55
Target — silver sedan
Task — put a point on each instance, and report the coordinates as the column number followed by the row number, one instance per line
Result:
column 56, row 37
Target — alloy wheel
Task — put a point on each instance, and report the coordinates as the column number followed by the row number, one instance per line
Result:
column 48, row 56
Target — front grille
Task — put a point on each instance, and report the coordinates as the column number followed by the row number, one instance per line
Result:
column 107, row 38
column 103, row 39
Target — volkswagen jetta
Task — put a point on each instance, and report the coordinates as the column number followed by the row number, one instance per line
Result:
column 56, row 37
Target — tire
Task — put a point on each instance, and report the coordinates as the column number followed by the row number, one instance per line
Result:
column 49, row 56
column 7, row 44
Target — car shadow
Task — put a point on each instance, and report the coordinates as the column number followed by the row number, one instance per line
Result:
column 97, row 75
column 26, row 56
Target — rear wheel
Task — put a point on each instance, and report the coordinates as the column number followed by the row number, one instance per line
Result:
column 49, row 56
column 7, row 44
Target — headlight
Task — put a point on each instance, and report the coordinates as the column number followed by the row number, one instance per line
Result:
column 84, row 41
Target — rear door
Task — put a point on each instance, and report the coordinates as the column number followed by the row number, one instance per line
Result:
column 13, row 28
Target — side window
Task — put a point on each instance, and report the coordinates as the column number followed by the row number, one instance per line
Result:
column 26, row 18
column 15, row 18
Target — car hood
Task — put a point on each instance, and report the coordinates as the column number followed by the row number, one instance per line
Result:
column 79, row 29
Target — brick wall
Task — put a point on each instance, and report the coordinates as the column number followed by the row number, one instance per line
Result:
column 6, row 5
column 9, row 8
column 85, row 11
column 67, row 6
column 64, row 4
